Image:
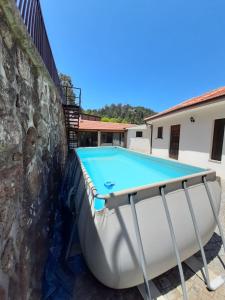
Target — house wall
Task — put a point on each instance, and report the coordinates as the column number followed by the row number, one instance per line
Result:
column 140, row 144
column 195, row 138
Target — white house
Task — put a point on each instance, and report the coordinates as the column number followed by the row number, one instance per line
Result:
column 138, row 138
column 192, row 132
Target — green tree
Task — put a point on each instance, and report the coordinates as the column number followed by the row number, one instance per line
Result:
column 122, row 113
column 68, row 90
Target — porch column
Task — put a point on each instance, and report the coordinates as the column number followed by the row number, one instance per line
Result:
column 99, row 138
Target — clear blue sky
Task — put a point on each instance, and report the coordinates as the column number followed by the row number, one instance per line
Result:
column 154, row 53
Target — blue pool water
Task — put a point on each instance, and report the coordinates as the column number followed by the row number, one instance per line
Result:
column 113, row 169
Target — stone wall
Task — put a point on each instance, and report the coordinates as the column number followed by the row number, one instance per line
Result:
column 32, row 155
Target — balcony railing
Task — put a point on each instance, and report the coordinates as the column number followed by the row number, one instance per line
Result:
column 31, row 14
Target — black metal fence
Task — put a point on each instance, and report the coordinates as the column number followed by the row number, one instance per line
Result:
column 31, row 14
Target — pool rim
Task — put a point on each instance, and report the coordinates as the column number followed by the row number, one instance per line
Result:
column 139, row 188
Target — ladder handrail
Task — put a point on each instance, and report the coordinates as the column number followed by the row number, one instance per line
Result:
column 175, row 246
column 142, row 260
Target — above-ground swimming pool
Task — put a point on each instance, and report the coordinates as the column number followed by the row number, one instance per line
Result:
column 124, row 199
column 128, row 169
column 114, row 169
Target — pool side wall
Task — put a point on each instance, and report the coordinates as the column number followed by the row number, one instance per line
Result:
column 108, row 238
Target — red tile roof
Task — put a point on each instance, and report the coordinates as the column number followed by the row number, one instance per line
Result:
column 203, row 99
column 88, row 125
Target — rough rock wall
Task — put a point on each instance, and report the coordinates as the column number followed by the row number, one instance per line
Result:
column 32, row 154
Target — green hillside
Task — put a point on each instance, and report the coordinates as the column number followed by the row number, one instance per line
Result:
column 122, row 113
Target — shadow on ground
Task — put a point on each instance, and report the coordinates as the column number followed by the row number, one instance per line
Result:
column 171, row 280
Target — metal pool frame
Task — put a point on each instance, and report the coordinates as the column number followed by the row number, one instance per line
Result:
column 131, row 193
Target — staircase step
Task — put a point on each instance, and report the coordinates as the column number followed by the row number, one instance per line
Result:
column 72, row 114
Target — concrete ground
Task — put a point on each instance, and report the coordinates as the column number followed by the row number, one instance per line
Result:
column 88, row 288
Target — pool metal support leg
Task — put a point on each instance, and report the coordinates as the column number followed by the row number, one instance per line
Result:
column 66, row 175
column 197, row 233
column 73, row 172
column 214, row 210
column 220, row 279
column 140, row 246
column 71, row 236
column 176, row 250
column 72, row 191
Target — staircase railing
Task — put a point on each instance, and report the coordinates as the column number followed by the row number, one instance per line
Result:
column 31, row 14
column 72, row 114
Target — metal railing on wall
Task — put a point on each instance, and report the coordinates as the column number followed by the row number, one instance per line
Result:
column 31, row 14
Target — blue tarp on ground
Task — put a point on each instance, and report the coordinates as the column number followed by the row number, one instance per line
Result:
column 59, row 275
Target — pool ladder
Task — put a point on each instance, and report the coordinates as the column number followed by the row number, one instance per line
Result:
column 211, row 285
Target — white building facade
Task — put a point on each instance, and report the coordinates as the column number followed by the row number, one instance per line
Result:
column 138, row 138
column 191, row 132
column 197, row 133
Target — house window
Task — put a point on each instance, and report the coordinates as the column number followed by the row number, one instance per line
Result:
column 107, row 137
column 160, row 133
column 121, row 138
column 218, row 135
column 139, row 133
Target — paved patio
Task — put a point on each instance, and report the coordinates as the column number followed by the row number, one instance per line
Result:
column 88, row 288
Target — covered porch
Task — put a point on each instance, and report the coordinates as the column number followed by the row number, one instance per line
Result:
column 98, row 133
column 101, row 138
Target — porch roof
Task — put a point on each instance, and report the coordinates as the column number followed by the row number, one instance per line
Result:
column 88, row 125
